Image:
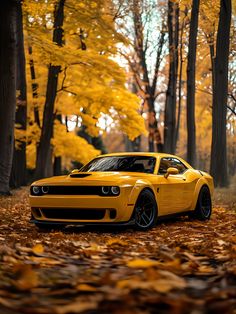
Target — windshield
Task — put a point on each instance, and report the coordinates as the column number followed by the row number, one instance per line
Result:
column 121, row 163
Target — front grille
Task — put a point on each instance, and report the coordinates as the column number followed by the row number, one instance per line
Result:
column 74, row 190
column 74, row 213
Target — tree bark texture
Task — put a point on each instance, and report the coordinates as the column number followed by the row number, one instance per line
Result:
column 44, row 166
column 57, row 159
column 218, row 167
column 34, row 86
column 7, row 90
column 191, row 74
column 179, row 104
column 18, row 172
column 133, row 145
column 181, row 61
column 170, row 105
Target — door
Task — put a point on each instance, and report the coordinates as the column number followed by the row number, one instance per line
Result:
column 176, row 191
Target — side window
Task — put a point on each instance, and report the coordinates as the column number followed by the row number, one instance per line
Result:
column 167, row 162
column 144, row 165
column 176, row 163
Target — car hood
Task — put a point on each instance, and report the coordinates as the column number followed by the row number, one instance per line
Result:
column 93, row 178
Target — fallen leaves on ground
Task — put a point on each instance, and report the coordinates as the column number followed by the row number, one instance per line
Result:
column 180, row 266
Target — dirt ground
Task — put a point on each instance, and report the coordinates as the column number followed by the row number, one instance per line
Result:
column 180, row 266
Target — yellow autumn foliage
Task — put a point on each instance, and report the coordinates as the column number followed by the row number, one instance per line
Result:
column 91, row 84
column 71, row 145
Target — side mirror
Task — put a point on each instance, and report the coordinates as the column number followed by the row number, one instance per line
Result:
column 171, row 170
column 74, row 170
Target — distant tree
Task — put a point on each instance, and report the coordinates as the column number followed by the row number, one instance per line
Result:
column 170, row 104
column 218, row 166
column 149, row 87
column 7, row 90
column 132, row 145
column 192, row 49
column 19, row 173
column 138, row 27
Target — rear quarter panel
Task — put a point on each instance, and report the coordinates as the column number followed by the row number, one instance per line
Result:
column 205, row 179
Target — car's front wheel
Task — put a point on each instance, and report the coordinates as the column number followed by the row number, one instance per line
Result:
column 145, row 211
column 204, row 205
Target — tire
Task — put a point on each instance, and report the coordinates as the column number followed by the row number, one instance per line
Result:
column 145, row 211
column 203, row 208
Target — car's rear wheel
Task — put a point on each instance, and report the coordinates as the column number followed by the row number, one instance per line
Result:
column 145, row 211
column 204, row 205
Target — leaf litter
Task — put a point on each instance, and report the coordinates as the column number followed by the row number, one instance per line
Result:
column 180, row 266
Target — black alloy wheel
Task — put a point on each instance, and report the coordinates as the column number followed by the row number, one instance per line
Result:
column 145, row 211
column 204, row 205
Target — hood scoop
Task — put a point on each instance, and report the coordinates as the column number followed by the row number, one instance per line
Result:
column 79, row 175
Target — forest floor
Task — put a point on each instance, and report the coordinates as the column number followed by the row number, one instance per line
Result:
column 180, row 266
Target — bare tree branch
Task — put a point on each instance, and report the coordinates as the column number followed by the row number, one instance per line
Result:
column 230, row 95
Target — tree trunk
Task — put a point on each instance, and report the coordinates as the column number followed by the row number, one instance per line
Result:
column 133, row 145
column 18, row 172
column 191, row 129
column 154, row 134
column 34, row 86
column 218, row 167
column 181, row 59
column 57, row 159
column 170, row 105
column 44, row 151
column 7, row 90
column 57, row 166
column 154, row 126
column 44, row 165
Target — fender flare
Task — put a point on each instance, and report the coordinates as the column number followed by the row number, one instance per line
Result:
column 139, row 186
column 201, row 182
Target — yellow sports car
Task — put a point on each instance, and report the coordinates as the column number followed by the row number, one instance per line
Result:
column 125, row 189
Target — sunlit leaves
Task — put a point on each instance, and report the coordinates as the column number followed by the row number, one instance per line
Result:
column 91, row 84
column 71, row 146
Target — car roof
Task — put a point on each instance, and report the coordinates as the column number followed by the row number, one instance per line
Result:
column 138, row 154
column 160, row 155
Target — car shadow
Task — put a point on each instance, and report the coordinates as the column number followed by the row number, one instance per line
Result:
column 114, row 229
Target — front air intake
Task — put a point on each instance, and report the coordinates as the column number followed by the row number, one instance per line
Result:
column 74, row 213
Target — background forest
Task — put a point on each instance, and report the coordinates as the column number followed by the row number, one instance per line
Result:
column 80, row 78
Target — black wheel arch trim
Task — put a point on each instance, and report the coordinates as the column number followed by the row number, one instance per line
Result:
column 145, row 188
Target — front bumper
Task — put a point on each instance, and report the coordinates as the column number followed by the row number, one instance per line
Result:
column 81, row 209
column 131, row 222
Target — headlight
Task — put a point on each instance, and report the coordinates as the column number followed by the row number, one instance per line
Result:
column 45, row 189
column 105, row 190
column 115, row 190
column 110, row 190
column 36, row 190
